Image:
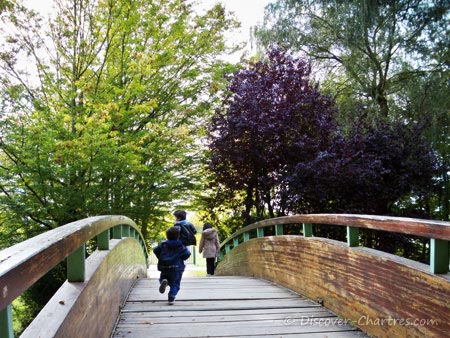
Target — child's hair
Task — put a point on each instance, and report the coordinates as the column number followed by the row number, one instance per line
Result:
column 207, row 226
column 173, row 233
column 180, row 214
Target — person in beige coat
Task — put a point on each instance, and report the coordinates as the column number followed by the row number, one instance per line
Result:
column 209, row 246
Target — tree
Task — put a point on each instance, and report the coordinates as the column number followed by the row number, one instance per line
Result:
column 389, row 57
column 108, row 123
column 368, row 171
column 376, row 45
column 276, row 149
column 274, row 118
column 102, row 116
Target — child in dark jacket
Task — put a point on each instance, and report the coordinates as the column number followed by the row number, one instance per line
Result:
column 171, row 255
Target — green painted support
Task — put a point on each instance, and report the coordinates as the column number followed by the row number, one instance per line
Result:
column 307, row 230
column 246, row 236
column 227, row 248
column 220, row 256
column 278, row 229
column 133, row 233
column 103, row 240
column 439, row 256
column 125, row 231
column 235, row 242
column 6, row 323
column 76, row 265
column 352, row 236
column 117, row 232
column 260, row 232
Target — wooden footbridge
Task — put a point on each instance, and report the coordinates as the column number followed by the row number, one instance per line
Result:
column 275, row 286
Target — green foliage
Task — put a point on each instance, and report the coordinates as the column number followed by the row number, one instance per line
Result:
column 390, row 58
column 102, row 108
column 368, row 42
column 109, row 125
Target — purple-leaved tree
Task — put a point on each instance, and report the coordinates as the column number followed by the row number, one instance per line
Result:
column 276, row 148
column 274, row 118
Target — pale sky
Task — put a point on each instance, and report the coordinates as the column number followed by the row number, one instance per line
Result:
column 248, row 12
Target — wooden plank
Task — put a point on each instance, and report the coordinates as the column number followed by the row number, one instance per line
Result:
column 212, row 288
column 227, row 307
column 229, row 329
column 296, row 315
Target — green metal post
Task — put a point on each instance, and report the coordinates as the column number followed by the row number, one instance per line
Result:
column 125, row 231
column 6, row 323
column 76, row 265
column 246, row 236
column 117, row 232
column 260, row 232
column 352, row 236
column 235, row 242
column 103, row 240
column 227, row 248
column 307, row 230
column 278, row 229
column 439, row 259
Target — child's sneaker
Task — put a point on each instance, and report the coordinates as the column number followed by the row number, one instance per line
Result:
column 171, row 301
column 162, row 287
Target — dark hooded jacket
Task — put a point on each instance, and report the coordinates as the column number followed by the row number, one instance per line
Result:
column 171, row 255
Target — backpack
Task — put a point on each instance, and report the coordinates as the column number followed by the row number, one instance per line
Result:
column 187, row 237
column 169, row 256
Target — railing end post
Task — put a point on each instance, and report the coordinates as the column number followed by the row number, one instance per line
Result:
column 439, row 256
column 6, row 322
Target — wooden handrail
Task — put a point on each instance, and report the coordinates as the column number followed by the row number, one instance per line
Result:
column 24, row 263
column 437, row 231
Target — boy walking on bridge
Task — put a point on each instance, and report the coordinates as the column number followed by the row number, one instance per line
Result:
column 171, row 255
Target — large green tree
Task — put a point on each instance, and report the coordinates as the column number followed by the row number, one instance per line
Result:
column 101, row 107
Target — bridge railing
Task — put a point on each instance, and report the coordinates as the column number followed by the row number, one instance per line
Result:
column 25, row 263
column 437, row 231
column 383, row 294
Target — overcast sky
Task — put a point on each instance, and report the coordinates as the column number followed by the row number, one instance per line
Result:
column 248, row 12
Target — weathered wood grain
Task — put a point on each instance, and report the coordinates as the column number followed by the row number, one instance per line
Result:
column 404, row 225
column 89, row 309
column 386, row 295
column 24, row 263
column 227, row 307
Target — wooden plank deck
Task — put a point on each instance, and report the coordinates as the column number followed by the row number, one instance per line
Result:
column 226, row 307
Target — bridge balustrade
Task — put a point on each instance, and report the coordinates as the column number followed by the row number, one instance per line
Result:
column 383, row 294
column 94, row 287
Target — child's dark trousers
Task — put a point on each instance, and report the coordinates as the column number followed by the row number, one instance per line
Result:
column 174, row 280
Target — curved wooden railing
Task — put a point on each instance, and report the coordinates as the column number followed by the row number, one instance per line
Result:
column 383, row 294
column 23, row 264
column 437, row 231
